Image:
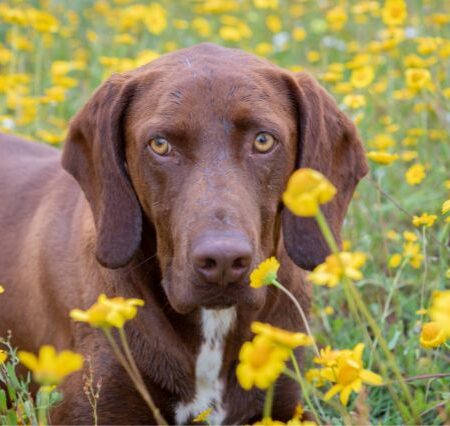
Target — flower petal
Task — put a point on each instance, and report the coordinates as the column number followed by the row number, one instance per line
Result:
column 370, row 377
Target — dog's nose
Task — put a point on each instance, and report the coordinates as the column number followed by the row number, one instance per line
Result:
column 222, row 259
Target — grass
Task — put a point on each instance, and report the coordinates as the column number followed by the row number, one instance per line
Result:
column 39, row 94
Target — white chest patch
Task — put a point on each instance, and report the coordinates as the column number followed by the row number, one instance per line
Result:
column 215, row 325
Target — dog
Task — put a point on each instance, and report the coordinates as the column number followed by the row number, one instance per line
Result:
column 169, row 189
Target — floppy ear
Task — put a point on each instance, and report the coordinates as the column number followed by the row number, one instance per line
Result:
column 327, row 142
column 94, row 156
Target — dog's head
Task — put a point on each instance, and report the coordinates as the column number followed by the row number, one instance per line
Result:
column 201, row 144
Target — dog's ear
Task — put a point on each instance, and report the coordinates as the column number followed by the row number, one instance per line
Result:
column 94, row 156
column 327, row 142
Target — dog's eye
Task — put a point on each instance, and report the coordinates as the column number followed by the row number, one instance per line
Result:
column 264, row 142
column 160, row 146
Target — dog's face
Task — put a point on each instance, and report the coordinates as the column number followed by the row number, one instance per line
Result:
column 209, row 155
column 202, row 142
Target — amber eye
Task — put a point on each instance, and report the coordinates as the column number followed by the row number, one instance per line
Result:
column 160, row 146
column 264, row 142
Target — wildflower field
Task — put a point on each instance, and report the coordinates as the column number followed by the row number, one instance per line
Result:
column 380, row 317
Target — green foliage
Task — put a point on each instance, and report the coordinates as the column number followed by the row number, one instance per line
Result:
column 17, row 405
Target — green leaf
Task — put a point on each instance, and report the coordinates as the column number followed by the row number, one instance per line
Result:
column 11, row 418
column 3, row 406
column 11, row 392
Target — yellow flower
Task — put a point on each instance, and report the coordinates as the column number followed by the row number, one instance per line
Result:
column 297, row 418
column 413, row 61
column 315, row 376
column 228, row 33
column 392, row 235
column 124, row 39
column 313, row 56
column 354, row 101
column 299, row 412
column 107, row 313
column 382, row 157
column 50, row 368
column 410, row 236
column 263, row 49
column 299, row 34
column 306, row 190
column 439, row 310
column 409, row 155
column 265, row 4
column 260, row 363
column 349, row 374
column 394, row 12
column 336, row 18
column 274, row 23
column 155, row 19
column 415, row 174
column 395, row 260
column 203, row 417
column 346, row 245
column 281, row 337
column 328, row 310
column 411, row 250
column 202, row 26
column 3, row 356
column 2, row 290
column 334, row 268
column 427, row 45
column 446, row 207
column 424, row 219
column 432, row 335
column 417, row 78
column 53, row 138
column 362, row 77
column 265, row 273
column 328, row 357
column 42, row 21
column 421, row 311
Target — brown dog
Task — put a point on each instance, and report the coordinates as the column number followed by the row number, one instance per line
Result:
column 169, row 190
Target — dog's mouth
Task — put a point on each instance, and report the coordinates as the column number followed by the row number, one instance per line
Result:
column 220, row 301
column 186, row 296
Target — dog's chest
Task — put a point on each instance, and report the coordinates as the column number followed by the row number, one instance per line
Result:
column 209, row 388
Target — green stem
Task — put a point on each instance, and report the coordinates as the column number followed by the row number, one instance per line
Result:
column 280, row 286
column 43, row 404
column 129, row 356
column 354, row 295
column 425, row 270
column 149, row 399
column 393, row 287
column 94, row 409
column 118, row 352
column 326, row 231
column 268, row 402
column 130, row 367
column 304, row 388
column 384, row 346
column 338, row 407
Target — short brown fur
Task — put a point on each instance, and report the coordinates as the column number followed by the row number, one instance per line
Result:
column 117, row 219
